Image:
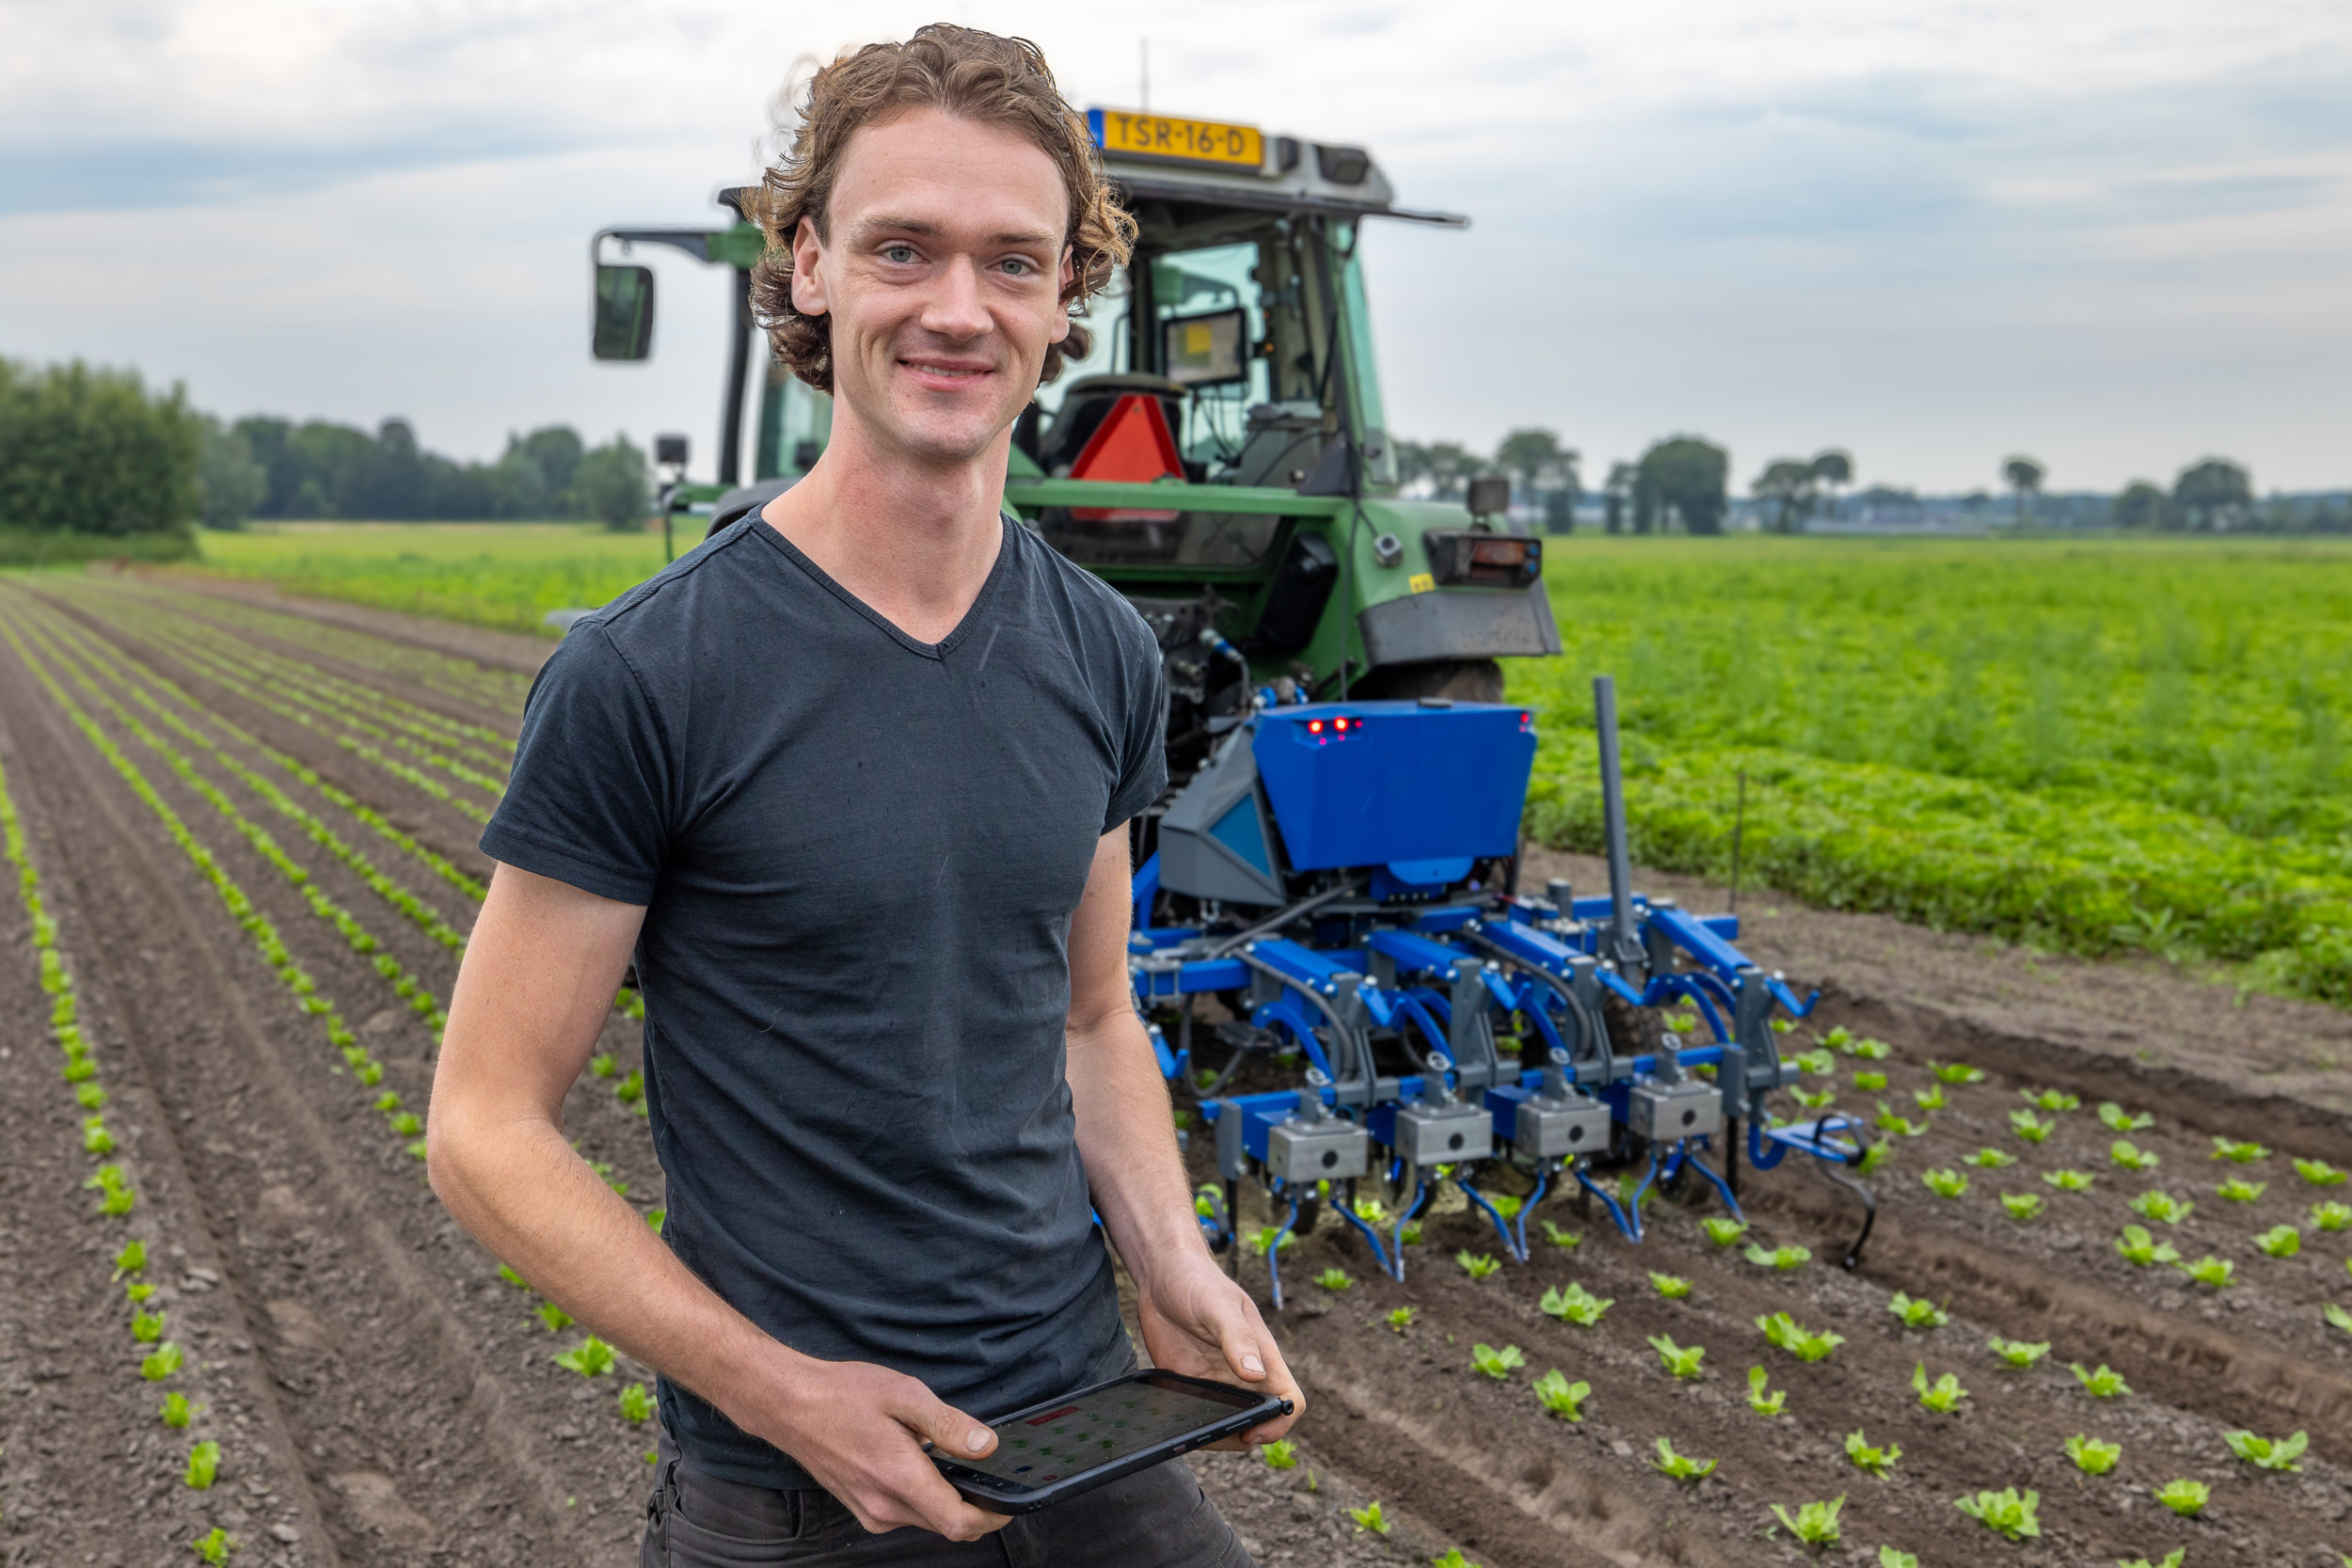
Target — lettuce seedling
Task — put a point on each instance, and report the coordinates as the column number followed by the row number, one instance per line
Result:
column 1890, row 1557
column 2173, row 1559
column 1816, row 1524
column 1672, row 1286
column 2017, row 1352
column 1871, row 1083
column 2336, row 1317
column 1335, row 1279
column 1506, row 1205
column 1988, row 1159
column 2007, row 1511
column 1497, row 1364
column 1477, row 1265
column 2141, row 1248
column 2030, row 1127
column 1369, row 1209
column 2105, row 1383
column 513, row 1278
column 553, row 1316
column 631, row 1090
column 1722, row 1232
column 214, row 1546
column 1682, row 1360
column 604, row 1063
column 1784, row 1331
column 130, row 1259
column 388, row 1103
column 203, row 1465
column 1560, row 1238
column 1875, row 1155
column 1452, row 1558
column 2331, row 1216
column 636, row 1403
column 138, row 1293
column 1930, row 1099
column 406, row 1125
column 2125, row 1153
column 2050, row 1099
column 1945, row 1183
column 1888, row 1121
column 176, row 1411
column 2238, row 1154
column 2022, row 1205
column 1917, row 1312
column 162, row 1363
column 1282, row 1455
column 1402, row 1319
column 2093, row 1457
column 1872, row 1049
column 2186, row 1498
column 1369, row 1518
column 1781, row 1258
column 1839, row 1038
column 2235, row 1191
column 1871, row 1461
column 2319, row 1173
column 2162, row 1207
column 1943, row 1396
column 592, row 1357
column 1956, row 1072
column 1265, row 1237
column 2209, row 1271
column 2119, row 1120
column 1576, row 1305
column 89, row 1097
column 95, row 1138
column 2069, row 1180
column 2267, row 1453
column 1564, row 1398
column 1819, row 1063
column 1681, row 1466
column 1814, row 1100
column 1762, row 1401
column 147, row 1327
column 2281, row 1241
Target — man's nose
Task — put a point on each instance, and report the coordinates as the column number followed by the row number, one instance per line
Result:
column 955, row 308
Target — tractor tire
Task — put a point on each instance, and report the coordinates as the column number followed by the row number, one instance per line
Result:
column 1463, row 680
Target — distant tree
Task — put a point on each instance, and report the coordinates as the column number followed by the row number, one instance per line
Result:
column 1546, row 471
column 1412, row 463
column 1834, row 467
column 1794, row 483
column 1451, row 466
column 2213, row 494
column 230, row 483
column 1686, row 475
column 94, row 452
column 613, row 480
column 1614, row 490
column 2142, row 505
column 2024, row 477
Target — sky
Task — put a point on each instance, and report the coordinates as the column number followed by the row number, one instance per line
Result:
column 2116, row 237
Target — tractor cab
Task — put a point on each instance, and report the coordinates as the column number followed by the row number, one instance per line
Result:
column 1222, row 453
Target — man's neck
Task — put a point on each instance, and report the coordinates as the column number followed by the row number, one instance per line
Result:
column 913, row 539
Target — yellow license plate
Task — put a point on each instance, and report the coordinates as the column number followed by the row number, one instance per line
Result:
column 1189, row 141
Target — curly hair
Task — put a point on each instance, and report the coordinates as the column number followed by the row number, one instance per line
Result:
column 961, row 72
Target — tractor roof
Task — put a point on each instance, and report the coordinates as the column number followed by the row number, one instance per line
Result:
column 1209, row 163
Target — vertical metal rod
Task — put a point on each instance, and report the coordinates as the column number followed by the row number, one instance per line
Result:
column 1625, row 939
column 738, row 368
column 1739, row 825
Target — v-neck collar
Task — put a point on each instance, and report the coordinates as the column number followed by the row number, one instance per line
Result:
column 897, row 634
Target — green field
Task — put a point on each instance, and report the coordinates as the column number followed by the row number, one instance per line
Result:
column 2087, row 745
column 2090, row 745
column 502, row 574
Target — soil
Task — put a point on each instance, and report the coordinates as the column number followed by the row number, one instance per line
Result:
column 382, row 1396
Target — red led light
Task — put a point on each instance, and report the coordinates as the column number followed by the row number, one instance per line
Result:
column 1339, row 724
column 1314, row 726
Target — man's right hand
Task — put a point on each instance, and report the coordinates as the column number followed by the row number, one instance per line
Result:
column 858, row 1430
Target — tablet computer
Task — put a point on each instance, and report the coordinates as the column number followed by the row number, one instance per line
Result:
column 1082, row 1440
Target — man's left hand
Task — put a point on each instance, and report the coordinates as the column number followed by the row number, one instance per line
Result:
column 1196, row 1320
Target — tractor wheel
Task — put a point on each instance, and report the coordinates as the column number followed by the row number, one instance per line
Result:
column 1464, row 680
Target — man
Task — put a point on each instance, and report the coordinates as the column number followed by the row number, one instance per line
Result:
column 852, row 783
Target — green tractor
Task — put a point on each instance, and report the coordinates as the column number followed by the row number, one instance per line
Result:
column 1221, row 456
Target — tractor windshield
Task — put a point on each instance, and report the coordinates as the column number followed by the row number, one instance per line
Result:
column 1230, row 323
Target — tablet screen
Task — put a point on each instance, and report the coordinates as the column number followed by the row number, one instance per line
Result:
column 1094, row 1429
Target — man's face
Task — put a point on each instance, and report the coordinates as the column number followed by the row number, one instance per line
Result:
column 942, row 273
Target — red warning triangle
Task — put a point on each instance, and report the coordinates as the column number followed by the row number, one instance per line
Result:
column 1131, row 446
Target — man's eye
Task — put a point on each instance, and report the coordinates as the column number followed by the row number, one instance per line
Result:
column 1019, row 267
column 899, row 254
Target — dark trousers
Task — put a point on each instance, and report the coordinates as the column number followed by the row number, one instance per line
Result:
column 1156, row 1518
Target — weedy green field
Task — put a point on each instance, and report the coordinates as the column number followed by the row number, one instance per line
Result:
column 2091, row 745
column 502, row 574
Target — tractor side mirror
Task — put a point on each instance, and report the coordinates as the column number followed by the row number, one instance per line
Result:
column 1489, row 496
column 623, row 321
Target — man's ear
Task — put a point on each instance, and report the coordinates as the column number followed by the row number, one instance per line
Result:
column 809, row 283
column 1065, row 279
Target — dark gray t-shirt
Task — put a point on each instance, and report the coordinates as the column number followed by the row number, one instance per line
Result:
column 859, row 856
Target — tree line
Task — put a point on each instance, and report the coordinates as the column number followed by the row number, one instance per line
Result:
column 1680, row 482
column 94, row 450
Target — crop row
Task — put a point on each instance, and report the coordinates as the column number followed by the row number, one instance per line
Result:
column 160, row 1360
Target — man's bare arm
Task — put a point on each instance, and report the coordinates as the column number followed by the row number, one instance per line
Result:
column 1195, row 1318
column 537, row 982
